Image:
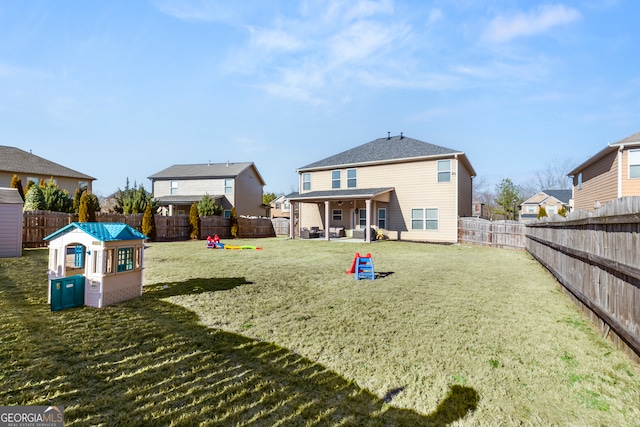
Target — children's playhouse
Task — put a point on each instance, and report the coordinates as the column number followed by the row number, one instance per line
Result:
column 95, row 264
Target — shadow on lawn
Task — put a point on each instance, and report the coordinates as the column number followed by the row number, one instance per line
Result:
column 149, row 362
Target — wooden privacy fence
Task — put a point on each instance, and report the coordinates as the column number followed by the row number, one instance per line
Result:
column 499, row 234
column 37, row 225
column 594, row 255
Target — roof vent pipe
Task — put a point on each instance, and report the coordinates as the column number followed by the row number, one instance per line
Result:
column 227, row 162
column 401, row 135
column 388, row 135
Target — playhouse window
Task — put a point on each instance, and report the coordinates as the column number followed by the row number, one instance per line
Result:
column 125, row 259
column 108, row 261
column 138, row 257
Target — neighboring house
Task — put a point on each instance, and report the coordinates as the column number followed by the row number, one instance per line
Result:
column 29, row 167
column 477, row 209
column 551, row 200
column 611, row 173
column 280, row 208
column 106, row 259
column 10, row 223
column 409, row 189
column 236, row 185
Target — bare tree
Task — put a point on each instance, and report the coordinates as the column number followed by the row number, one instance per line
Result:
column 554, row 175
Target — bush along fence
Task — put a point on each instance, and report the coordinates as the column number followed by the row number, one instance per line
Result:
column 39, row 224
column 498, row 234
column 594, row 255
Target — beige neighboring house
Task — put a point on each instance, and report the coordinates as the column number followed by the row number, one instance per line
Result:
column 29, row 167
column 230, row 184
column 611, row 173
column 551, row 200
column 408, row 189
column 280, row 208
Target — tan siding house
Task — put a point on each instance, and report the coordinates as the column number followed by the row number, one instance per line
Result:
column 407, row 189
column 612, row 173
column 29, row 167
column 236, row 185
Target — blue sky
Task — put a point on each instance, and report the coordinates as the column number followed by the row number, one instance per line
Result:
column 119, row 89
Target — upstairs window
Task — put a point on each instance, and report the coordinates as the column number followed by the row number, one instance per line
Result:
column 174, row 187
column 228, row 186
column 335, row 179
column 351, row 178
column 306, row 181
column 580, row 181
column 444, row 170
column 83, row 185
column 634, row 163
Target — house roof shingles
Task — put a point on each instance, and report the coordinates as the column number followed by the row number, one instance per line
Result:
column 206, row 170
column 383, row 150
column 15, row 160
column 563, row 195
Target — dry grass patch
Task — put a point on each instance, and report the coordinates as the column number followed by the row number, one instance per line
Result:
column 490, row 320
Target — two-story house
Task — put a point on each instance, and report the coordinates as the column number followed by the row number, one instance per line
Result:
column 236, row 185
column 409, row 189
column 29, row 167
column 551, row 200
column 611, row 173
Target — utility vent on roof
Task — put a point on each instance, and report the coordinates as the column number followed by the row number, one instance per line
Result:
column 388, row 135
column 401, row 135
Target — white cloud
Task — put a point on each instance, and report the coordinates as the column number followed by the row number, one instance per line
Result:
column 435, row 15
column 274, row 40
column 504, row 28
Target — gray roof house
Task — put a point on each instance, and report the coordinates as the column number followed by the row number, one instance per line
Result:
column 402, row 187
column 29, row 167
column 551, row 200
column 238, row 185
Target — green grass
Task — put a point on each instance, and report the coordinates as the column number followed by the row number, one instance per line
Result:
column 282, row 336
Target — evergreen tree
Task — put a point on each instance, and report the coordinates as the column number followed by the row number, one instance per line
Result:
column 234, row 222
column 29, row 185
column 16, row 183
column 194, row 222
column 89, row 205
column 83, row 209
column 76, row 200
column 133, row 200
column 562, row 211
column 207, row 207
column 149, row 223
column 56, row 200
column 542, row 212
column 508, row 196
column 34, row 200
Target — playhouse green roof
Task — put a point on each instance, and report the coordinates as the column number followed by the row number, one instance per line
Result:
column 104, row 232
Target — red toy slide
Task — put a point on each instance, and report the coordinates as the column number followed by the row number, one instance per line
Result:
column 353, row 264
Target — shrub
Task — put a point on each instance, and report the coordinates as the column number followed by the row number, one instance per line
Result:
column 34, row 200
column 149, row 223
column 207, row 207
column 55, row 199
column 562, row 211
column 89, row 205
column 234, row 222
column 194, row 222
column 133, row 200
column 542, row 212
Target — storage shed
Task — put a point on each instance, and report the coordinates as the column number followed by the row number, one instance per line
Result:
column 107, row 259
column 10, row 223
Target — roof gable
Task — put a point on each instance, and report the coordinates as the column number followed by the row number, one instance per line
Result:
column 562, row 196
column 16, row 160
column 384, row 150
column 632, row 141
column 102, row 231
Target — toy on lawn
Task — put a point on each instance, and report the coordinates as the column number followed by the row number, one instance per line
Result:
column 215, row 243
column 362, row 267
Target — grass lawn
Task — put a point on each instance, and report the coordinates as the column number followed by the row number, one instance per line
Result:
column 457, row 335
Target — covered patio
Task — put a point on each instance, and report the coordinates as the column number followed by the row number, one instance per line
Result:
column 353, row 210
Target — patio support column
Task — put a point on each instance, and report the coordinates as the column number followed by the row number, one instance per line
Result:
column 367, row 232
column 327, row 220
column 292, row 220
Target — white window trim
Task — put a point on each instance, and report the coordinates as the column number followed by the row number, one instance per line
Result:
column 306, row 182
column 336, row 215
column 386, row 221
column 446, row 171
column 636, row 162
column 425, row 219
column 338, row 180
column 354, row 179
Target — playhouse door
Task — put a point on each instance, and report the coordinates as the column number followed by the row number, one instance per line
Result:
column 67, row 292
